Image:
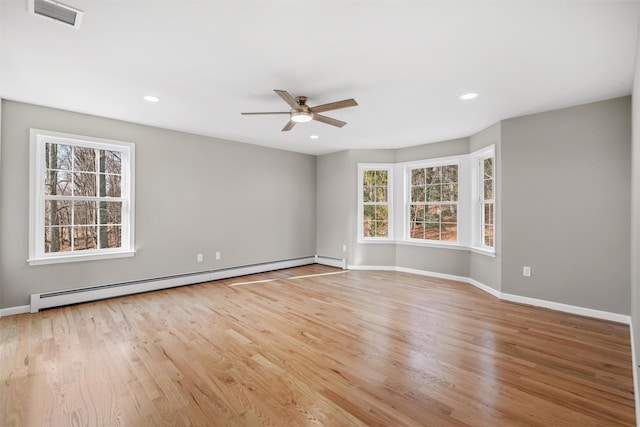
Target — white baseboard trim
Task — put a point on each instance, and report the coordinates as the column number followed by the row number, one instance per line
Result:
column 331, row 261
column 93, row 293
column 566, row 308
column 573, row 309
column 636, row 374
column 488, row 289
column 12, row 311
column 372, row 267
column 258, row 268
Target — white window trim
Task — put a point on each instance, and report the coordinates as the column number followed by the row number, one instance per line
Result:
column 362, row 167
column 443, row 161
column 400, row 200
column 37, row 256
column 477, row 241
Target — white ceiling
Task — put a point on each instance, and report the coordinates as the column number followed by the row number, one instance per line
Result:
column 405, row 62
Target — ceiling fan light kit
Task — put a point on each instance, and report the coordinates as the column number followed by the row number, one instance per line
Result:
column 301, row 116
column 300, row 112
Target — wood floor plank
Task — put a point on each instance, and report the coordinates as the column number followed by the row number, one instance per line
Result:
column 314, row 346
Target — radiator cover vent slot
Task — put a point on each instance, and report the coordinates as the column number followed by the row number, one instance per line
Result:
column 56, row 11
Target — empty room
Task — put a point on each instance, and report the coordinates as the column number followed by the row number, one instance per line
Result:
column 327, row 213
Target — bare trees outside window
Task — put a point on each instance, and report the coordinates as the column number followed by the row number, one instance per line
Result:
column 82, row 196
column 434, row 203
column 375, row 200
column 82, row 210
column 487, row 201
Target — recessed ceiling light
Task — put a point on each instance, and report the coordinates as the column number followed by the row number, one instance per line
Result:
column 150, row 98
column 468, row 96
column 314, row 137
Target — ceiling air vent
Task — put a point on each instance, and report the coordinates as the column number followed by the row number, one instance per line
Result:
column 58, row 12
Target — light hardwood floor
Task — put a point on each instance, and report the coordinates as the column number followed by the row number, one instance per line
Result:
column 333, row 348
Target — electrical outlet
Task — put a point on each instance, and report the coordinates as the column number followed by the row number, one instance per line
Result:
column 200, row 258
column 344, row 248
column 526, row 271
column 218, row 256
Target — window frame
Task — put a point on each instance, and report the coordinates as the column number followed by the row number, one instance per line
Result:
column 363, row 167
column 478, row 221
column 37, row 172
column 424, row 164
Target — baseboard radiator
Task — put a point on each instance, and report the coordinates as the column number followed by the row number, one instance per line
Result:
column 93, row 293
column 332, row 262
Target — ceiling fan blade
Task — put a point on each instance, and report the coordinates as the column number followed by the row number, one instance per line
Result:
column 287, row 98
column 270, row 112
column 328, row 120
column 334, row 105
column 288, row 126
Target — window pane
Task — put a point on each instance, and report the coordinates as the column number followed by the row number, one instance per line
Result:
column 112, row 161
column 417, row 194
column 432, row 231
column 113, row 185
column 450, row 192
column 368, row 228
column 488, row 235
column 110, row 212
column 57, row 182
column 57, row 239
column 488, row 168
column 488, row 213
column 416, row 213
column 110, row 236
column 84, row 213
column 369, row 178
column 433, row 193
column 84, row 159
column 58, row 156
column 433, row 175
column 449, row 213
column 449, row 232
column 433, row 213
column 85, row 237
column 382, row 212
column 84, row 184
column 382, row 229
column 368, row 194
column 57, row 212
column 369, row 212
column 417, row 176
column 381, row 194
column 381, row 178
column 488, row 189
column 417, row 230
column 450, row 173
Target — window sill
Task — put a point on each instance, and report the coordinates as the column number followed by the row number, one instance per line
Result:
column 454, row 246
column 381, row 240
column 482, row 251
column 60, row 259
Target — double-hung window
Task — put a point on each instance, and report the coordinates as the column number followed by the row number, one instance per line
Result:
column 484, row 206
column 374, row 202
column 433, row 202
column 487, row 202
column 81, row 203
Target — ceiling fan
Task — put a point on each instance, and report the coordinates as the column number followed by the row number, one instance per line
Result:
column 301, row 112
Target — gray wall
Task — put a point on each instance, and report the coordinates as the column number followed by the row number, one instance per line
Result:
column 485, row 269
column 338, row 208
column 334, row 226
column 194, row 194
column 443, row 261
column 565, row 205
column 635, row 224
